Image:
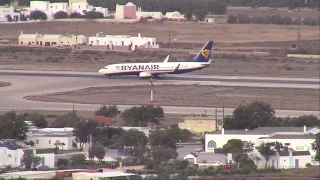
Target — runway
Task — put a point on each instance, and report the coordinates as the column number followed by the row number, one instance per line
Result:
column 26, row 83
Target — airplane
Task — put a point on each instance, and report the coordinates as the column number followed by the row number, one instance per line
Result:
column 153, row 70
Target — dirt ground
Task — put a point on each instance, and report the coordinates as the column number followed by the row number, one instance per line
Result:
column 197, row 95
column 311, row 173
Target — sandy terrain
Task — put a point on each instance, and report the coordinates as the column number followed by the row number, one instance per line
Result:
column 193, row 95
column 2, row 84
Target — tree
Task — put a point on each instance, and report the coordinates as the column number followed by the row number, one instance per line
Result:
column 142, row 115
column 133, row 138
column 235, row 147
column 99, row 152
column 84, row 129
column 38, row 15
column 309, row 121
column 162, row 154
column 200, row 11
column 181, row 164
column 67, row 120
column 253, row 115
column 38, row 120
column 217, row 6
column 77, row 159
column 29, row 160
column 12, row 126
column 109, row 111
column 60, row 15
column 316, row 147
column 268, row 149
column 163, row 138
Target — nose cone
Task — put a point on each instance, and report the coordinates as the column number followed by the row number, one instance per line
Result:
column 101, row 71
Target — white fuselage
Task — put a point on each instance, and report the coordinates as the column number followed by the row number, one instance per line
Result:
column 137, row 68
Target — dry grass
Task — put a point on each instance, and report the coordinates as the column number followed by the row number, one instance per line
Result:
column 202, row 96
column 183, row 31
column 282, row 12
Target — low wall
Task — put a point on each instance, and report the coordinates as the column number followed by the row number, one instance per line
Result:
column 304, row 56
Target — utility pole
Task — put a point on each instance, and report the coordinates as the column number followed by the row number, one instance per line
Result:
column 169, row 37
column 151, row 92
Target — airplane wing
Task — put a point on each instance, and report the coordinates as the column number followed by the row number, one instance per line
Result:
column 164, row 72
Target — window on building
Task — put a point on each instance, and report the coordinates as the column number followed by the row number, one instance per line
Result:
column 37, row 141
column 51, row 7
column 49, row 141
column 79, row 6
column 287, row 144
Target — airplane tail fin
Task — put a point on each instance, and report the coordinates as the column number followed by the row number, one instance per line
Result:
column 204, row 54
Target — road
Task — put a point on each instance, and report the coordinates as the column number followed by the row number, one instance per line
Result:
column 25, row 83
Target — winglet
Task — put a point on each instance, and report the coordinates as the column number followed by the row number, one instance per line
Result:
column 166, row 60
column 176, row 69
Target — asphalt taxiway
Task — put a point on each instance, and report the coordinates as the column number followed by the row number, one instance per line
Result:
column 26, row 83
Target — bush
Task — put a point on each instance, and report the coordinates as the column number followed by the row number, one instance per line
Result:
column 268, row 170
column 276, row 19
column 93, row 15
column 259, row 20
column 38, row 15
column 309, row 21
column 308, row 165
column 60, row 15
column 244, row 19
column 232, row 19
column 9, row 18
column 23, row 18
column 297, row 21
column 287, row 20
column 77, row 159
column 62, row 162
column 75, row 15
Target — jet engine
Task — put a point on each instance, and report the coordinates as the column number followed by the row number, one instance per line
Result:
column 145, row 75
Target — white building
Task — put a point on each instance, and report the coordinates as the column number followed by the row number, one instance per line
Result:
column 51, row 39
column 53, row 137
column 13, row 157
column 175, row 15
column 74, row 6
column 6, row 11
column 145, row 14
column 297, row 142
column 122, row 40
column 218, row 138
column 284, row 159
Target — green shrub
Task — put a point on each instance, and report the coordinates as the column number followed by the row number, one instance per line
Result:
column 308, row 165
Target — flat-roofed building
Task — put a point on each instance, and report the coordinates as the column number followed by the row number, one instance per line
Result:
column 51, row 39
column 122, row 40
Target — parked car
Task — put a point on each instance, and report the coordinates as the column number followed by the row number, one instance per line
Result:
column 113, row 146
column 60, row 47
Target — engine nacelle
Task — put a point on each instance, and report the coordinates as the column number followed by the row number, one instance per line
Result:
column 145, row 75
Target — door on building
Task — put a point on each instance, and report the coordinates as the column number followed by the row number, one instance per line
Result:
column 272, row 163
column 296, row 163
column 42, row 161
